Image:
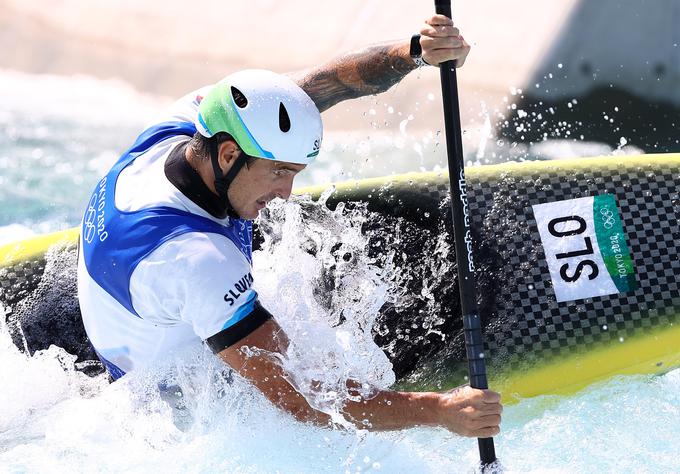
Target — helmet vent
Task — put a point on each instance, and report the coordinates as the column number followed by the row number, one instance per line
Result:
column 284, row 119
column 239, row 99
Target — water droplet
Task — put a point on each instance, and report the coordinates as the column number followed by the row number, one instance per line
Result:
column 402, row 126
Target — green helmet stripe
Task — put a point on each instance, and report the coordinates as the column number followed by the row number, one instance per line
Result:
column 218, row 113
column 244, row 135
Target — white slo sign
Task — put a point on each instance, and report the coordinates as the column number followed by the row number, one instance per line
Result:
column 584, row 247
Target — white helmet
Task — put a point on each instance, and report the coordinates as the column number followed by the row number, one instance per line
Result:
column 267, row 114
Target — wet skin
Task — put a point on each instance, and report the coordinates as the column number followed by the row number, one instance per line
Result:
column 255, row 184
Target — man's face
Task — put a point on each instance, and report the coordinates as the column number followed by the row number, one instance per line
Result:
column 259, row 183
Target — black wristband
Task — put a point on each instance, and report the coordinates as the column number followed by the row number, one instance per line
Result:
column 238, row 331
column 416, row 51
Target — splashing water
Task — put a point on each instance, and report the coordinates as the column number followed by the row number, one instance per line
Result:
column 55, row 419
column 329, row 303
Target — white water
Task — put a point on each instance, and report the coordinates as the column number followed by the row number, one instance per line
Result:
column 54, row 419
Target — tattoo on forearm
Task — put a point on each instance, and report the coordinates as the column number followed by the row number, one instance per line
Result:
column 366, row 72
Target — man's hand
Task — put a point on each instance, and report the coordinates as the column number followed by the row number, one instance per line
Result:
column 441, row 41
column 470, row 412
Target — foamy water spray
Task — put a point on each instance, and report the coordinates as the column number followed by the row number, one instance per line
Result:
column 315, row 277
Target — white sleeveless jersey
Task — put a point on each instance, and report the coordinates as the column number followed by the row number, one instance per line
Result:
column 186, row 290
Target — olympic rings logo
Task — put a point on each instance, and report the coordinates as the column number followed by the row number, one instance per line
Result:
column 608, row 219
column 88, row 222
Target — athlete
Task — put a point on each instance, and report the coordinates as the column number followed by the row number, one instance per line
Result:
column 165, row 258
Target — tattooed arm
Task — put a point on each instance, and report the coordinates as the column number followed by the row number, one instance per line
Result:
column 377, row 68
column 370, row 71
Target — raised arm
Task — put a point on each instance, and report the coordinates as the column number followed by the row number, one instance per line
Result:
column 366, row 72
column 376, row 68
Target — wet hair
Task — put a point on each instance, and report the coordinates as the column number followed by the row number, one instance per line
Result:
column 200, row 146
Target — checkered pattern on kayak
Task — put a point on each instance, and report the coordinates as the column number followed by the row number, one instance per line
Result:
column 533, row 325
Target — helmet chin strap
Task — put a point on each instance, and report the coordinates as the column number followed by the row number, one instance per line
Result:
column 223, row 181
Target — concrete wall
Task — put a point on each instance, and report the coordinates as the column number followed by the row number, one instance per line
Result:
column 170, row 47
column 631, row 45
column 611, row 75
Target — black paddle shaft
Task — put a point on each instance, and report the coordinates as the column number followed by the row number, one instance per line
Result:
column 474, row 342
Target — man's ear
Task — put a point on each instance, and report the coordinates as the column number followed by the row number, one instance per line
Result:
column 227, row 152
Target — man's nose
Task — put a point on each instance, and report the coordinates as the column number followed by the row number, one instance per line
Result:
column 286, row 189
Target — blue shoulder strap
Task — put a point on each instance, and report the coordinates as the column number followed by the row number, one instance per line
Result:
column 114, row 242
